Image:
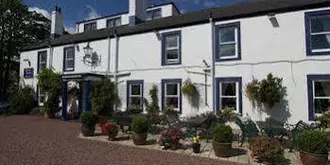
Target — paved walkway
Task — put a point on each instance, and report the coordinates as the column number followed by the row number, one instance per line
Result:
column 29, row 140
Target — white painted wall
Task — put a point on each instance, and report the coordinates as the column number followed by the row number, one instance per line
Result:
column 140, row 55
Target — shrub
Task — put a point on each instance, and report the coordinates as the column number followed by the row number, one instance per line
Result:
column 140, row 124
column 324, row 120
column 267, row 150
column 227, row 114
column 315, row 142
column 153, row 108
column 21, row 100
column 110, row 128
column 223, row 133
column 103, row 98
column 170, row 137
column 88, row 119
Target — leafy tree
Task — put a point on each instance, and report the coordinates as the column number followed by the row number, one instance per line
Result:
column 18, row 28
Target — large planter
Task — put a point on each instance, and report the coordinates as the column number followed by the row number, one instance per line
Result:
column 222, row 149
column 87, row 131
column 313, row 159
column 140, row 138
column 196, row 147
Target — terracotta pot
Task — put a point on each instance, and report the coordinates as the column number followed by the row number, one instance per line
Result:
column 313, row 159
column 87, row 131
column 222, row 149
column 140, row 138
column 196, row 147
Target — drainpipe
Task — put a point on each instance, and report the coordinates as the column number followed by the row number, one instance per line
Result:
column 109, row 54
column 213, row 63
column 50, row 55
column 116, row 64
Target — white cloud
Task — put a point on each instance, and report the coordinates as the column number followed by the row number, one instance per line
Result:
column 71, row 30
column 197, row 2
column 44, row 12
column 92, row 13
column 209, row 3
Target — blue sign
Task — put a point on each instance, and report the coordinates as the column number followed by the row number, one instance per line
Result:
column 28, row 72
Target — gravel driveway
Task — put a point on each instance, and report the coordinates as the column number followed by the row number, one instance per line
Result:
column 30, row 140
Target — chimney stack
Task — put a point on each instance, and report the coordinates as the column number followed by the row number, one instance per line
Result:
column 57, row 23
column 137, row 11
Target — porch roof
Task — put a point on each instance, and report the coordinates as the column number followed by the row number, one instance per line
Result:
column 82, row 76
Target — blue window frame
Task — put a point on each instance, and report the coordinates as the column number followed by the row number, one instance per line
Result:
column 171, row 48
column 171, row 94
column 317, row 26
column 134, row 94
column 229, row 93
column 228, row 42
column 154, row 14
column 68, row 59
column 42, row 61
column 318, row 89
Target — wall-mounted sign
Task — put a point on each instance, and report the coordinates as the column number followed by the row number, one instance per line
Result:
column 28, row 72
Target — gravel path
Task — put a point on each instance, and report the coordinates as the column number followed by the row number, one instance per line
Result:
column 30, row 140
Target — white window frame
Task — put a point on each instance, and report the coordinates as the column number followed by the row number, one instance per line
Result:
column 172, row 96
column 66, row 67
column 228, row 43
column 90, row 26
column 236, row 94
column 318, row 33
column 113, row 22
column 177, row 48
column 140, row 96
column 43, row 53
column 318, row 97
column 41, row 103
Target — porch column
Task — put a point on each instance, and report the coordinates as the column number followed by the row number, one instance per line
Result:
column 64, row 101
column 86, row 106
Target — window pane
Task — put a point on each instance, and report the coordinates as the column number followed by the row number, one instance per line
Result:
column 227, row 34
column 320, row 24
column 43, row 57
column 227, row 50
column 42, row 66
column 172, row 54
column 228, row 89
column 149, row 15
column 172, row 41
column 321, row 105
column 69, row 64
column 322, row 88
column 135, row 89
column 118, row 22
column 321, row 41
column 172, row 101
column 228, row 103
column 171, row 89
column 157, row 14
column 110, row 23
column 135, row 101
column 69, row 53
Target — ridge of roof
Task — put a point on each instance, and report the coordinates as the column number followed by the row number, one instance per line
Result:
column 240, row 10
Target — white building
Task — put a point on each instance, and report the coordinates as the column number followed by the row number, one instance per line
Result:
column 216, row 48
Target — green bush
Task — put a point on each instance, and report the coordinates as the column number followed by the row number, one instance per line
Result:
column 21, row 100
column 267, row 150
column 223, row 133
column 103, row 98
column 88, row 119
column 153, row 108
column 315, row 142
column 140, row 124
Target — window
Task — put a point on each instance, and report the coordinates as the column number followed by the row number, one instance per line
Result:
column 318, row 32
column 113, row 22
column 154, row 14
column 318, row 94
column 42, row 60
column 228, row 44
column 229, row 93
column 90, row 26
column 69, row 58
column 171, row 94
column 41, row 97
column 171, row 48
column 135, row 93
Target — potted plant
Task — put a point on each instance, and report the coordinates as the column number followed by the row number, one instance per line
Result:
column 196, row 145
column 266, row 150
column 140, row 126
column 314, row 147
column 170, row 137
column 222, row 139
column 88, row 120
column 111, row 129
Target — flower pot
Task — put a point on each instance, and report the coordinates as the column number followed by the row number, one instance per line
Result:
column 112, row 136
column 222, row 149
column 313, row 159
column 196, row 147
column 86, row 131
column 139, row 138
column 174, row 146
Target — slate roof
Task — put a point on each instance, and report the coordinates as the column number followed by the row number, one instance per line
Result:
column 241, row 10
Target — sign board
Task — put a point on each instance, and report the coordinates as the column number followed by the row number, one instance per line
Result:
column 28, row 72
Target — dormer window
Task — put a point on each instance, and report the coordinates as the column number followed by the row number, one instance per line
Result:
column 90, row 26
column 114, row 22
column 154, row 14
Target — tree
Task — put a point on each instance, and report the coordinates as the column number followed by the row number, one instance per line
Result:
column 18, row 28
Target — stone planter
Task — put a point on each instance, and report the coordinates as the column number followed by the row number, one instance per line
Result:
column 222, row 149
column 140, row 138
column 87, row 131
column 313, row 159
column 196, row 147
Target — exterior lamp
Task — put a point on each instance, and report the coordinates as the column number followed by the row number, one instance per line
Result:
column 88, row 50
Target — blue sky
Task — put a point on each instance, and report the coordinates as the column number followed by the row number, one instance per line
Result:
column 77, row 10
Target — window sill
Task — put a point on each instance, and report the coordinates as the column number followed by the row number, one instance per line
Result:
column 325, row 53
column 169, row 64
column 227, row 59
